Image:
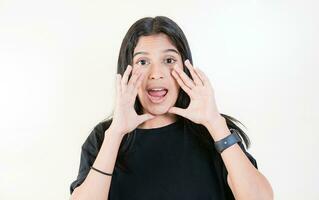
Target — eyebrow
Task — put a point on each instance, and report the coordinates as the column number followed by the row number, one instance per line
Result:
column 165, row 51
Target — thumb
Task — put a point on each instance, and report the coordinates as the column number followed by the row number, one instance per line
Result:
column 178, row 111
column 145, row 117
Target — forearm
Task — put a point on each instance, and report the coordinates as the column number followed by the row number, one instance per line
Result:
column 97, row 185
column 245, row 181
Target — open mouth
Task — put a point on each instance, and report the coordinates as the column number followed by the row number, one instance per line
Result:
column 157, row 95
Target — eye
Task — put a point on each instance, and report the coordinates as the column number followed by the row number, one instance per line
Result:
column 142, row 62
column 170, row 60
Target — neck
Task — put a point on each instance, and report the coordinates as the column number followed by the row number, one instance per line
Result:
column 159, row 121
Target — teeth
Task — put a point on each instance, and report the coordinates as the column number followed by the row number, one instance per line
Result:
column 157, row 89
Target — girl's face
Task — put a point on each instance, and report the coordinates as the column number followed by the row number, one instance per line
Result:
column 157, row 56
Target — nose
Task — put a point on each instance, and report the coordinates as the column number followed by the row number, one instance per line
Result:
column 156, row 71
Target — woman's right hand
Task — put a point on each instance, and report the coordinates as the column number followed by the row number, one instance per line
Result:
column 125, row 118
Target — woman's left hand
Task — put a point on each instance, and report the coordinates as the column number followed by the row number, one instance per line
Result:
column 202, row 108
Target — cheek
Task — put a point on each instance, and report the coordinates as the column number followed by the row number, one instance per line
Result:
column 142, row 93
column 174, row 87
column 141, row 90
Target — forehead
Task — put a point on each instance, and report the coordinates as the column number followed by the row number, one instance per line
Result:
column 158, row 42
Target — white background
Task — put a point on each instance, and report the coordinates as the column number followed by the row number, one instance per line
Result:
column 58, row 63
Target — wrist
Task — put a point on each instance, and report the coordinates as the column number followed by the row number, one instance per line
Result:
column 218, row 128
column 114, row 133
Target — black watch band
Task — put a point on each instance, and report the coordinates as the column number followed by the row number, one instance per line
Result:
column 228, row 141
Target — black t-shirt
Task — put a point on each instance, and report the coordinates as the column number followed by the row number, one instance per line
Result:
column 167, row 163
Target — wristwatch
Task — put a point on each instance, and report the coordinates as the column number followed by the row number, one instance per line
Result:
column 228, row 141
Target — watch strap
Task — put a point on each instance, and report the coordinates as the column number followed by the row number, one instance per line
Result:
column 228, row 141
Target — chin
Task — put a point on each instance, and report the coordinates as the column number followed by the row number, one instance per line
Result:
column 158, row 111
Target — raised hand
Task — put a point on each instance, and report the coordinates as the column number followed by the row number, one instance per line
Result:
column 125, row 118
column 202, row 108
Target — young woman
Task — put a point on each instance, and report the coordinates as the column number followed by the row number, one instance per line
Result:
column 166, row 139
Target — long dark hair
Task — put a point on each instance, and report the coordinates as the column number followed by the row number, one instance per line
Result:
column 149, row 26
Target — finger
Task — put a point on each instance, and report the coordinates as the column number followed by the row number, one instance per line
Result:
column 118, row 88
column 178, row 111
column 132, row 82
column 118, row 84
column 145, row 117
column 138, row 82
column 188, row 82
column 181, row 83
column 125, row 77
column 195, row 76
column 202, row 76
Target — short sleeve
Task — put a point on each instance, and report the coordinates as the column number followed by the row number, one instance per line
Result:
column 250, row 157
column 89, row 151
